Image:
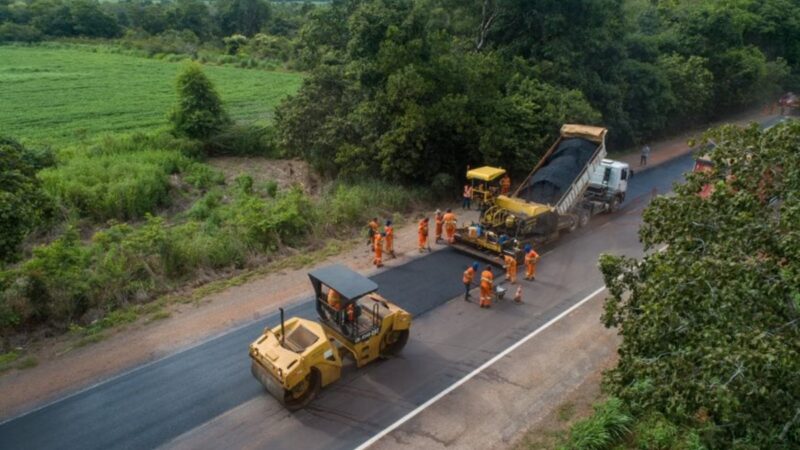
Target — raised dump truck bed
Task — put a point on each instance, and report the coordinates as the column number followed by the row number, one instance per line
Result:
column 553, row 197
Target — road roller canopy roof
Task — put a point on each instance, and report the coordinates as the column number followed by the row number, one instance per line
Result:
column 349, row 284
column 485, row 173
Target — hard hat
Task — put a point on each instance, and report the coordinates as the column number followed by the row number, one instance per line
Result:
column 528, row 248
column 475, row 266
column 438, row 211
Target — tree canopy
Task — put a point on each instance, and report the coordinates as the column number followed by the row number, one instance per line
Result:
column 711, row 324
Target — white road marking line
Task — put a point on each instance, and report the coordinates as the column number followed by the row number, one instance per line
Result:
column 475, row 372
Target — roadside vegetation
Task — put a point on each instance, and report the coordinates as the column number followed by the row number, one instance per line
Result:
column 711, row 325
column 107, row 202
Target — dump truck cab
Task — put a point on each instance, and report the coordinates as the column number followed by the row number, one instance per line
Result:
column 297, row 358
column 485, row 183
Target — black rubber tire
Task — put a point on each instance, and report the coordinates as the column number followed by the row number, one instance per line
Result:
column 583, row 218
column 393, row 342
column 294, row 401
column 614, row 205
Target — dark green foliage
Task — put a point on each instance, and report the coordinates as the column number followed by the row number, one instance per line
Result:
column 609, row 424
column 23, row 204
column 711, row 325
column 199, row 113
column 242, row 16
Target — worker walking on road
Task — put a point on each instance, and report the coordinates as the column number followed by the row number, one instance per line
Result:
column 505, row 185
column 469, row 277
column 487, row 284
column 511, row 268
column 438, row 220
column 388, row 230
column 450, row 223
column 422, row 234
column 378, row 246
column 531, row 258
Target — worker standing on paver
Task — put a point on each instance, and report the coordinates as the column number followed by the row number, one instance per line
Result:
column 505, row 185
column 422, row 234
column 487, row 284
column 450, row 222
column 469, row 277
column 378, row 260
column 511, row 268
column 388, row 230
column 438, row 220
column 531, row 258
column 466, row 201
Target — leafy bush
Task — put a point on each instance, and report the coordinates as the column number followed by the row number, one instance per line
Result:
column 12, row 32
column 23, row 205
column 608, row 425
column 240, row 140
column 114, row 186
column 199, row 113
column 354, row 204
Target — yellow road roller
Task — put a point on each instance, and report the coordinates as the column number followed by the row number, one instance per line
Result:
column 355, row 324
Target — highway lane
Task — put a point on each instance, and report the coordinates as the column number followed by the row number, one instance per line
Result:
column 205, row 395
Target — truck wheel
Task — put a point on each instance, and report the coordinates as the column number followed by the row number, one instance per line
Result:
column 301, row 395
column 583, row 218
column 393, row 342
column 573, row 225
column 614, row 205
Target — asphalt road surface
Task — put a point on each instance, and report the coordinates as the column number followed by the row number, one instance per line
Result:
column 205, row 397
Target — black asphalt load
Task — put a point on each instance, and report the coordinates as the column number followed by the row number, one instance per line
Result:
column 158, row 402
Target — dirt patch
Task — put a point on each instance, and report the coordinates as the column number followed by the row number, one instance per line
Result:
column 555, row 426
column 285, row 172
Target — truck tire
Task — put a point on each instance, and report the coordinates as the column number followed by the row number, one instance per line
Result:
column 583, row 218
column 614, row 205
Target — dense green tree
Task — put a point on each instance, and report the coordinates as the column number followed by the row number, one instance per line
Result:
column 711, row 324
column 90, row 20
column 242, row 16
column 199, row 113
column 23, row 204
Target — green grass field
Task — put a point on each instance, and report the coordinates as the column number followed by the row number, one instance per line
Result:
column 55, row 94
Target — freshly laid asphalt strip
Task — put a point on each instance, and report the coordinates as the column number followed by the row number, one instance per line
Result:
column 155, row 403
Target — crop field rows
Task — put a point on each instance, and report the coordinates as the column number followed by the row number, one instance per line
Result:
column 55, row 94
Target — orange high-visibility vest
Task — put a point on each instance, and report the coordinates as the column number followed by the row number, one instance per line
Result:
column 469, row 275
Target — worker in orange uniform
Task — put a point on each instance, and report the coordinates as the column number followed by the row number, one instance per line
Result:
column 450, row 225
column 511, row 268
column 371, row 230
column 334, row 300
column 469, row 278
column 378, row 246
column 531, row 258
column 438, row 219
column 487, row 284
column 388, row 231
column 422, row 234
column 505, row 185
